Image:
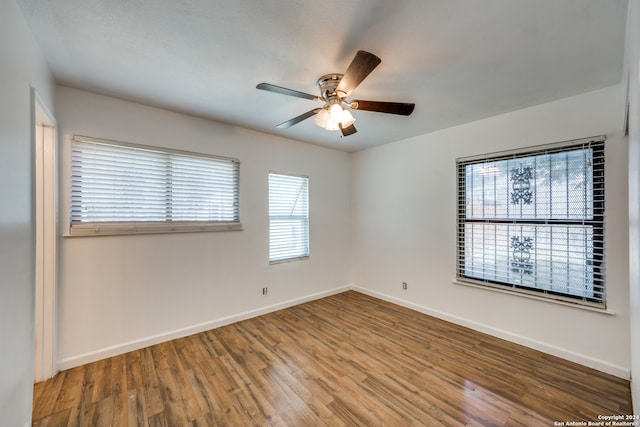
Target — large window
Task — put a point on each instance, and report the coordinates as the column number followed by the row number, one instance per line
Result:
column 533, row 221
column 288, row 217
column 121, row 188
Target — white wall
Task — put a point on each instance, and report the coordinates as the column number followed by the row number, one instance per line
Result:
column 118, row 293
column 633, row 58
column 123, row 292
column 21, row 67
column 404, row 228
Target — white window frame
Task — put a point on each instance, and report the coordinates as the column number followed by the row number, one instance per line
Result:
column 288, row 248
column 596, row 222
column 229, row 184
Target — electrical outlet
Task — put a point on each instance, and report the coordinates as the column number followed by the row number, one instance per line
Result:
column 404, row 285
column 265, row 291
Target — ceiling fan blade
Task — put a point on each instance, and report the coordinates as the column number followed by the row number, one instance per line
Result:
column 284, row 91
column 401, row 108
column 361, row 66
column 349, row 130
column 298, row 119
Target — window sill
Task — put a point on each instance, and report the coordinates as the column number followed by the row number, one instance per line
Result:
column 282, row 261
column 535, row 297
column 114, row 229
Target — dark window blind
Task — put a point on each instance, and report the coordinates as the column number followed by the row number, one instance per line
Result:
column 533, row 221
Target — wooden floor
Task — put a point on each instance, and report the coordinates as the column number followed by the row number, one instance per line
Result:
column 345, row 360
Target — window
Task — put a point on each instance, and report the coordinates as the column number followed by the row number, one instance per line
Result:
column 533, row 222
column 119, row 188
column 288, row 217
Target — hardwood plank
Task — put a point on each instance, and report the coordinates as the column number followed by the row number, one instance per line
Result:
column 102, row 412
column 174, row 411
column 159, row 420
column 80, row 413
column 134, row 370
column 136, row 414
column 150, row 384
column 70, row 395
column 185, row 354
column 48, row 396
column 345, row 360
column 37, row 390
column 201, row 392
column 177, row 369
column 103, row 377
column 222, row 391
column 119, row 390
column 54, row 420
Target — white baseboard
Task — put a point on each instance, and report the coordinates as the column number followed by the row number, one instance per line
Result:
column 563, row 353
column 103, row 353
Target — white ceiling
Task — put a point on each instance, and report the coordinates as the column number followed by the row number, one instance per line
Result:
column 458, row 60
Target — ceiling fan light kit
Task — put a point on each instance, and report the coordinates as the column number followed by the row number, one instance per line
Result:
column 334, row 89
column 324, row 119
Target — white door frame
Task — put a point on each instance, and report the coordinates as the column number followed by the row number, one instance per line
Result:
column 45, row 147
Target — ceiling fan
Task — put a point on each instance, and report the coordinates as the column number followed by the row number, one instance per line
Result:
column 334, row 89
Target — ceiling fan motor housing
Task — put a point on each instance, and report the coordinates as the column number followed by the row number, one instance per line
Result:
column 328, row 85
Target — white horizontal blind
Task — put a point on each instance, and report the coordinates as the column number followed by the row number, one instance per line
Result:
column 123, row 188
column 288, row 217
column 533, row 221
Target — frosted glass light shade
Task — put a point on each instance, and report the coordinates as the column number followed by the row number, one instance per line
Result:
column 325, row 118
column 335, row 112
column 331, row 125
column 347, row 119
column 321, row 118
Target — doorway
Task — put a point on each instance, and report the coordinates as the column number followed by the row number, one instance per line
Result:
column 45, row 147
